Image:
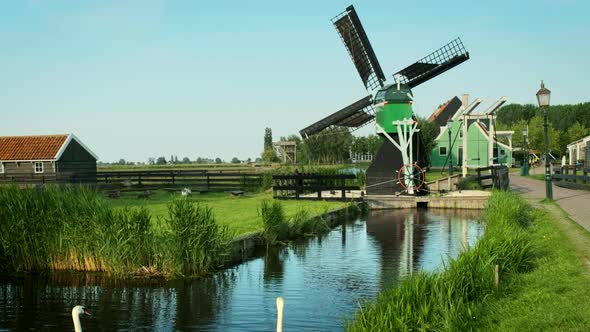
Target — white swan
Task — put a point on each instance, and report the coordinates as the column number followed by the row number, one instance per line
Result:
column 280, row 305
column 76, row 312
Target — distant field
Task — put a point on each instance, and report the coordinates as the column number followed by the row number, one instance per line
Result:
column 225, row 167
column 240, row 214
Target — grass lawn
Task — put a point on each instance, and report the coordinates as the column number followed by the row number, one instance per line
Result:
column 240, row 214
column 554, row 296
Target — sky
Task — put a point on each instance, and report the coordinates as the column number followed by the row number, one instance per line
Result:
column 149, row 78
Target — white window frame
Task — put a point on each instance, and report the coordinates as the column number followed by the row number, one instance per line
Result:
column 446, row 151
column 36, row 169
column 1, row 168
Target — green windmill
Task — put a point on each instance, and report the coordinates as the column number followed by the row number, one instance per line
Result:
column 397, row 167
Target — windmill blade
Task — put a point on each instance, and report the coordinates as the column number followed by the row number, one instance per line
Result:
column 352, row 116
column 359, row 48
column 434, row 64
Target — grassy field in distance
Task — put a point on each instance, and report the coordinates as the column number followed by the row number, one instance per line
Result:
column 240, row 214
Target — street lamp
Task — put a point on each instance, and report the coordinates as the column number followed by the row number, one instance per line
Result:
column 449, row 124
column 543, row 96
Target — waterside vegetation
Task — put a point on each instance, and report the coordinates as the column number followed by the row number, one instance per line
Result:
column 76, row 228
column 535, row 264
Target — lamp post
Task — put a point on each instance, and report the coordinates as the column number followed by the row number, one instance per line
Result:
column 543, row 96
column 449, row 124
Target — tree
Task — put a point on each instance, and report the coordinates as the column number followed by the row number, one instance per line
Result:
column 218, row 160
column 186, row 160
column 151, row 160
column 235, row 160
column 427, row 135
column 267, row 138
column 161, row 161
column 329, row 146
column 122, row 161
column 269, row 155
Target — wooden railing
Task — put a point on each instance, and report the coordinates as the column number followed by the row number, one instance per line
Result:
column 498, row 175
column 572, row 177
column 310, row 186
column 196, row 180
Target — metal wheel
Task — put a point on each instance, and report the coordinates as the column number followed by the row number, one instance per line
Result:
column 411, row 175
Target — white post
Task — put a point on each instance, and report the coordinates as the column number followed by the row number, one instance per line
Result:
column 491, row 142
column 465, row 131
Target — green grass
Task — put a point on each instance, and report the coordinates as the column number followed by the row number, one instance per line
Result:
column 537, row 176
column 554, row 296
column 240, row 214
column 544, row 284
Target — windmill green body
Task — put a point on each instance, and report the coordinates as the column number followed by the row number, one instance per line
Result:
column 392, row 105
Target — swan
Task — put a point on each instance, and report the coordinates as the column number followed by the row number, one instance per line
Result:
column 76, row 312
column 280, row 305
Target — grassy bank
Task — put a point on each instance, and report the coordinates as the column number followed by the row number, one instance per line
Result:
column 240, row 214
column 76, row 228
column 542, row 282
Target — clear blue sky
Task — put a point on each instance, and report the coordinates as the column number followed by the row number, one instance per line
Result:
column 135, row 79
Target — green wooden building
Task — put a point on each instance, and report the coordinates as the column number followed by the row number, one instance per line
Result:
column 479, row 136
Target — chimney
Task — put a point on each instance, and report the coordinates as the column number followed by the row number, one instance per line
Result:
column 465, row 99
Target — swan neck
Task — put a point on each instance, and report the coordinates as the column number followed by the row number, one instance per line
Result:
column 77, row 324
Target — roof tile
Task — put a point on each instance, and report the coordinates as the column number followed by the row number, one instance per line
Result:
column 31, row 147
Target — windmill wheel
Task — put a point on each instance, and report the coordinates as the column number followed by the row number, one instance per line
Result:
column 405, row 175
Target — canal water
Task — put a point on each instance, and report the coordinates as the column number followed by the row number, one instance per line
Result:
column 322, row 280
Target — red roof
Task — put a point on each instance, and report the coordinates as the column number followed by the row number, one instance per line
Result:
column 40, row 147
column 439, row 110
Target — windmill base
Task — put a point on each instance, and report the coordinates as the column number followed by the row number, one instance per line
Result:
column 381, row 174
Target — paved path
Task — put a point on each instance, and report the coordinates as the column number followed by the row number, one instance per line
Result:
column 575, row 202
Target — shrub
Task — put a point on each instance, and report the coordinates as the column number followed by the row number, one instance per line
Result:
column 200, row 244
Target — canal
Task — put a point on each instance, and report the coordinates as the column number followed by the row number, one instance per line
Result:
column 322, row 279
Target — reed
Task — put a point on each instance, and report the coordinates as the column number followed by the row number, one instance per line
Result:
column 452, row 299
column 74, row 228
column 200, row 244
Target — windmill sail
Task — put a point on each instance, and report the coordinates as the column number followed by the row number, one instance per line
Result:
column 359, row 48
column 434, row 64
column 352, row 116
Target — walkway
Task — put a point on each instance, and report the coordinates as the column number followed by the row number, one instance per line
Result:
column 575, row 202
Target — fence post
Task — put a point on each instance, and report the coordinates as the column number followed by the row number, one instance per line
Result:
column 343, row 187
column 173, row 179
column 139, row 179
column 298, row 184
column 207, row 181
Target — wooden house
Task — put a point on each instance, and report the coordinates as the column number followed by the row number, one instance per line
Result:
column 474, row 133
column 46, row 158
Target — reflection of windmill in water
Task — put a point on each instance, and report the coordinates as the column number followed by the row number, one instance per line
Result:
column 399, row 241
column 389, row 106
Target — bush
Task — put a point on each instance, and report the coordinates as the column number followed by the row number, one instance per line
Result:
column 200, row 244
column 275, row 227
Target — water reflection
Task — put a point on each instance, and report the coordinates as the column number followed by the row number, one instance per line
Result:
column 322, row 280
column 412, row 240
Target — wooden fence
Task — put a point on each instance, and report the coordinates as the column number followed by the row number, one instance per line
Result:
column 200, row 180
column 496, row 177
column 310, row 186
column 572, row 177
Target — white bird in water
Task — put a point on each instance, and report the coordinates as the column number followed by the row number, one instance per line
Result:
column 76, row 312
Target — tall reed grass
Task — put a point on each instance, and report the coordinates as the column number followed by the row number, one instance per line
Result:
column 73, row 228
column 452, row 298
column 278, row 229
column 199, row 243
